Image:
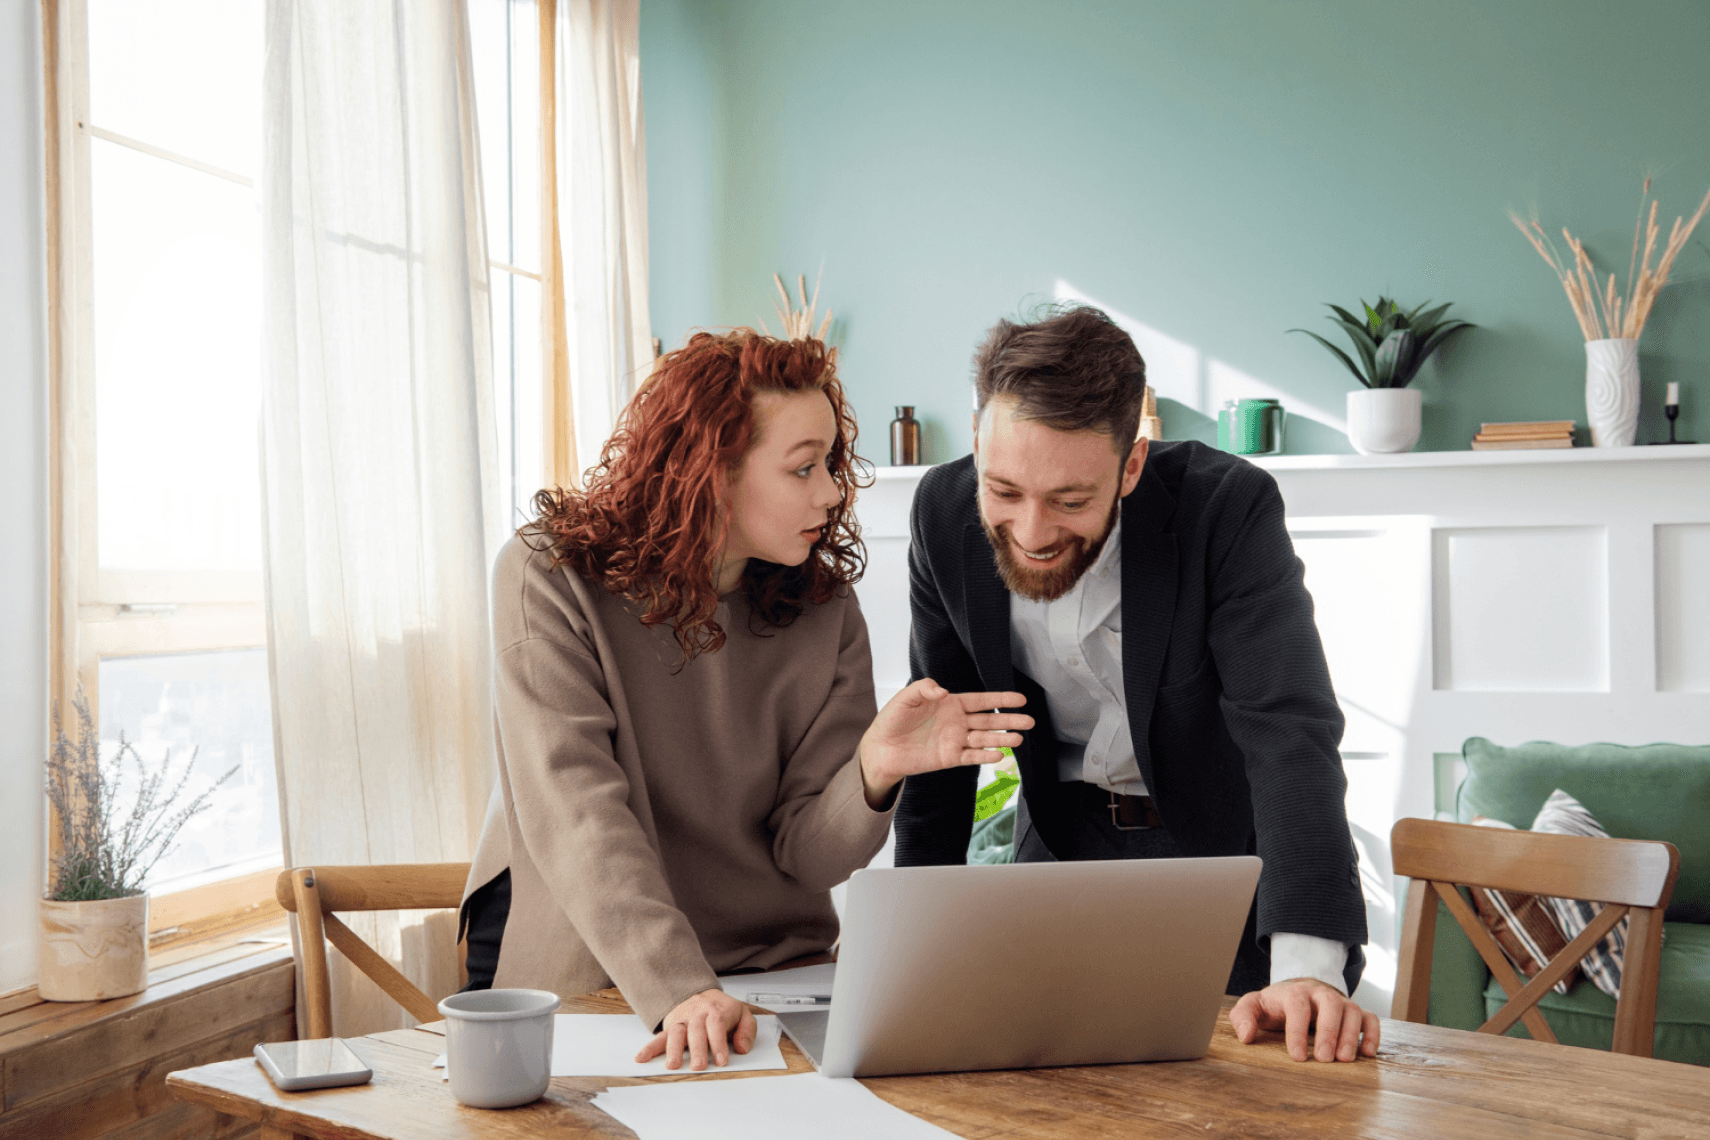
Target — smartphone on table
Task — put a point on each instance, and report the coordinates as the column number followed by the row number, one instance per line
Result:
column 320, row 1064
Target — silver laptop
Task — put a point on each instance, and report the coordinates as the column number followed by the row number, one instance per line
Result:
column 951, row 969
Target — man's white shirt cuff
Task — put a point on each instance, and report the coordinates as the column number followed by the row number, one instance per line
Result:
column 1307, row 956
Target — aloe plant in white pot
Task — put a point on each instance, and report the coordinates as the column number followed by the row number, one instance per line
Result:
column 1392, row 343
column 113, row 822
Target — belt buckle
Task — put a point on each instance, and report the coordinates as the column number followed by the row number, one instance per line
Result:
column 1116, row 814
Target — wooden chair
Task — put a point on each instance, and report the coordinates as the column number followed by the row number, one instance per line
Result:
column 1631, row 876
column 313, row 894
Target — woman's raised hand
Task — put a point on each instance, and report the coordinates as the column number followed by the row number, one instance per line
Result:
column 926, row 727
column 709, row 1025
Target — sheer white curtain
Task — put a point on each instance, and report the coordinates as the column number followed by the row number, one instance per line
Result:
column 378, row 441
column 602, row 212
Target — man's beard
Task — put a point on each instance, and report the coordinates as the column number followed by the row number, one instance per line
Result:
column 1046, row 585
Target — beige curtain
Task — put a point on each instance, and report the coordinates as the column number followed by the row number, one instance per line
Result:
column 601, row 213
column 378, row 441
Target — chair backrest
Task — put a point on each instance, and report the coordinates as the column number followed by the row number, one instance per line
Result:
column 1630, row 876
column 1647, row 791
column 314, row 894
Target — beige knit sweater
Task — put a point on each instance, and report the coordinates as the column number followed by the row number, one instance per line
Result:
column 664, row 824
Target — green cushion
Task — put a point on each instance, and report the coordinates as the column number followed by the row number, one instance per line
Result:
column 1586, row 1015
column 1458, row 974
column 1657, row 791
column 993, row 840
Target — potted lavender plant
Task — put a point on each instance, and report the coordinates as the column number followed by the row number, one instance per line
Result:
column 94, row 933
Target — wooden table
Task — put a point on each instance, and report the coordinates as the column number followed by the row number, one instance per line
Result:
column 1431, row 1083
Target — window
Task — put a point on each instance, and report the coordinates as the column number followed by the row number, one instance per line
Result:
column 155, row 244
column 158, row 129
column 505, row 41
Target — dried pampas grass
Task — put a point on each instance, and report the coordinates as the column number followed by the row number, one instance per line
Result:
column 798, row 323
column 1605, row 314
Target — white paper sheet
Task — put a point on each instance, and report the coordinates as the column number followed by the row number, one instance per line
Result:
column 765, row 1108
column 801, row 982
column 605, row 1045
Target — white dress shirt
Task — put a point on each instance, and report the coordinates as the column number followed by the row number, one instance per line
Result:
column 1073, row 648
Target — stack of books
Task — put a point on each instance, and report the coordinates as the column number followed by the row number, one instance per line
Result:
column 1524, row 436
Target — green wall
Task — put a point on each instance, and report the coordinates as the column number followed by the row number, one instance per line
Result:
column 1214, row 171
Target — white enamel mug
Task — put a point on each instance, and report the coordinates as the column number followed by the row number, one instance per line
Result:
column 498, row 1045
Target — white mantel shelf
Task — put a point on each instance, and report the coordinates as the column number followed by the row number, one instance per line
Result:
column 1637, row 454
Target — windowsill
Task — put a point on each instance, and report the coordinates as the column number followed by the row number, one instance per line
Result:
column 229, row 944
column 258, row 938
column 214, row 910
column 64, row 1064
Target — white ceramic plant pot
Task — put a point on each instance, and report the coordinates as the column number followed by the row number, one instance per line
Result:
column 1383, row 421
column 1612, row 391
column 91, row 951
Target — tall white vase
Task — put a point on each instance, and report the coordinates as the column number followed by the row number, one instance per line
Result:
column 1383, row 421
column 1612, row 391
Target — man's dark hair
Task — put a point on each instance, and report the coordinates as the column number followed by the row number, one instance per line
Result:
column 1072, row 369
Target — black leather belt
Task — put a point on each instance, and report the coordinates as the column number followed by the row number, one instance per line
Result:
column 1127, row 813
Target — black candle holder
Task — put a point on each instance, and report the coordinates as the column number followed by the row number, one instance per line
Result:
column 1672, row 411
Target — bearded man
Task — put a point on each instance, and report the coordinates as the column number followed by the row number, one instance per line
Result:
column 1148, row 602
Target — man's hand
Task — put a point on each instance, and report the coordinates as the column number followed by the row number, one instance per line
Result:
column 1344, row 1029
column 709, row 1024
column 926, row 727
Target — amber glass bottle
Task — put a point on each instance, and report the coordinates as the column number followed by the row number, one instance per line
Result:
column 905, row 438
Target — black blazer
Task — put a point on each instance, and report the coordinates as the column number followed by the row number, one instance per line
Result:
column 1234, row 723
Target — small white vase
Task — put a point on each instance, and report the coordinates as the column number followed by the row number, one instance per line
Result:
column 91, row 951
column 1383, row 421
column 1612, row 391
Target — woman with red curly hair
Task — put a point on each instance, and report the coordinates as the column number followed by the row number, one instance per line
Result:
column 689, row 757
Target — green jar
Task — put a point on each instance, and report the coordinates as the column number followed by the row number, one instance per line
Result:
column 1256, row 427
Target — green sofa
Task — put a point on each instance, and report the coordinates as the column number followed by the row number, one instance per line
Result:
column 1658, row 791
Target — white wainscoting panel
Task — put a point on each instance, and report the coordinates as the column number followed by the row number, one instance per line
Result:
column 1683, row 607
column 883, row 594
column 1366, row 586
column 1521, row 609
column 1581, row 544
column 883, row 511
column 1369, row 580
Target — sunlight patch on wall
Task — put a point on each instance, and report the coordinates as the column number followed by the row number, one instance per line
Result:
column 1178, row 371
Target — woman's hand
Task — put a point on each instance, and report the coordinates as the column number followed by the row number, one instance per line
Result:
column 709, row 1024
column 926, row 727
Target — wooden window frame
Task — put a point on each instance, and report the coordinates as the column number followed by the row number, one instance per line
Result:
column 559, row 465
column 559, row 415
column 97, row 613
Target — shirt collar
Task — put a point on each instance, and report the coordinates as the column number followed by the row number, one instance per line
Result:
column 1110, row 558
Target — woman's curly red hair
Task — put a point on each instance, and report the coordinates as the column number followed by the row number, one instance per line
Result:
column 648, row 525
